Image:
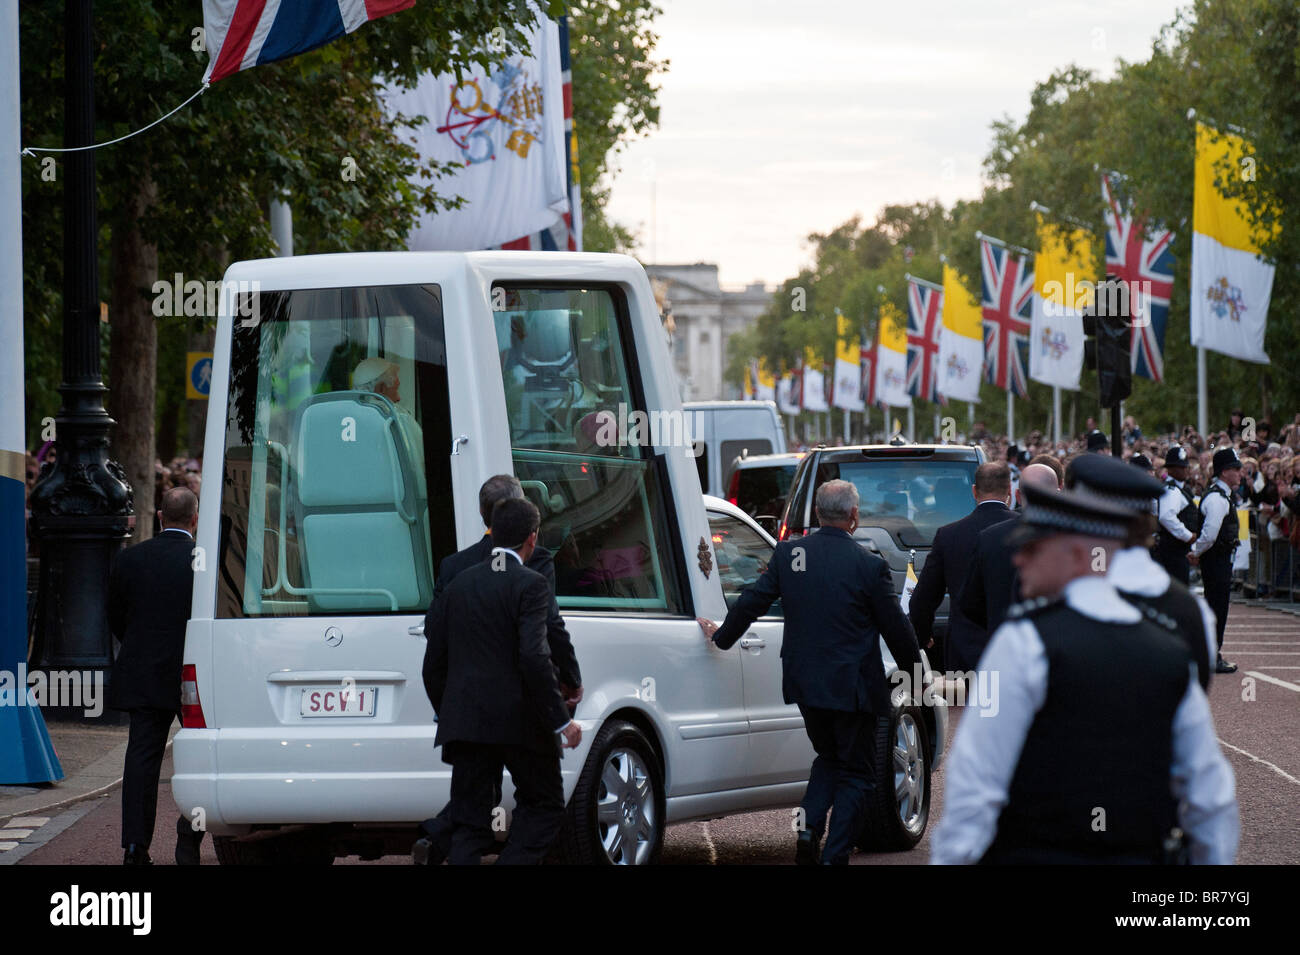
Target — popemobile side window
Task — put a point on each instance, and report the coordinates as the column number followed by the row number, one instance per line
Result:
column 567, row 374
column 743, row 557
column 331, row 501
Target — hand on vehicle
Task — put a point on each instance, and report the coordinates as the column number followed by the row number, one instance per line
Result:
column 572, row 735
column 709, row 628
column 572, row 697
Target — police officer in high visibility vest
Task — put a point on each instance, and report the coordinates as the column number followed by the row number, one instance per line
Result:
column 1130, row 569
column 1178, row 517
column 1213, row 548
column 1099, row 746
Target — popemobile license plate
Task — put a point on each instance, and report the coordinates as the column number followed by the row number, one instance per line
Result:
column 326, row 701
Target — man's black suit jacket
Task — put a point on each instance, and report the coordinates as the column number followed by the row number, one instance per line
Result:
column 838, row 601
column 149, row 591
column 563, row 655
column 487, row 666
column 992, row 584
column 945, row 570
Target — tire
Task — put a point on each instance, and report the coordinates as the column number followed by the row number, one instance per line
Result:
column 619, row 800
column 300, row 848
column 899, row 808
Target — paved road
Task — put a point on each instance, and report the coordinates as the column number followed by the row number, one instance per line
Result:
column 1256, row 710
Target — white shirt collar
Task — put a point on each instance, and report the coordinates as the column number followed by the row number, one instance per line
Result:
column 1226, row 490
column 1133, row 571
column 1094, row 597
column 507, row 550
column 179, row 530
column 991, row 501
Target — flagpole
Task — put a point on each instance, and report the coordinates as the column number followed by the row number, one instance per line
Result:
column 936, row 427
column 1011, row 415
column 911, row 423
column 1056, row 414
column 846, row 425
column 1202, row 410
column 1002, row 243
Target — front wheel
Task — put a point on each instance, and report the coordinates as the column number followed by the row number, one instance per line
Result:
column 899, row 808
column 616, row 816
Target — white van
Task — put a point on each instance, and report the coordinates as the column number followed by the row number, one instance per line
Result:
column 727, row 430
column 358, row 402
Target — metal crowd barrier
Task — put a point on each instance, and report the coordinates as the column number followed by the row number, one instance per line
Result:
column 1270, row 561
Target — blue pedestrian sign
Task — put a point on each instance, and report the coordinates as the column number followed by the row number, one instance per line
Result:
column 198, row 383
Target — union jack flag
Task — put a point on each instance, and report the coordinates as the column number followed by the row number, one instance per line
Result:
column 1146, row 263
column 240, row 34
column 867, row 361
column 1008, row 287
column 924, row 326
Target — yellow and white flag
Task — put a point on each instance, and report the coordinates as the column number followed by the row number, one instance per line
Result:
column 814, row 382
column 847, row 393
column 766, row 389
column 961, row 346
column 909, row 585
column 891, row 358
column 1231, row 284
column 1063, row 288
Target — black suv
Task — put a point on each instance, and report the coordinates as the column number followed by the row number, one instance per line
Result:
column 905, row 493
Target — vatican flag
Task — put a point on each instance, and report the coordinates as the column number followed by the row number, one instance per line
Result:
column 1231, row 284
column 766, row 390
column 847, row 393
column 814, row 383
column 961, row 346
column 891, row 358
column 909, row 585
column 1063, row 288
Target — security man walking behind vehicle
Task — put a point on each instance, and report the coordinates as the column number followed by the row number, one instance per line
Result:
column 489, row 676
column 1212, row 550
column 948, row 565
column 838, row 601
column 434, row 847
column 1178, row 516
column 149, row 591
column 1101, row 748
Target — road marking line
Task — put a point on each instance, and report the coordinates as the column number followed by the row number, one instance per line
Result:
column 708, row 841
column 28, row 822
column 1274, row 680
column 16, row 833
column 1281, row 772
column 1258, row 643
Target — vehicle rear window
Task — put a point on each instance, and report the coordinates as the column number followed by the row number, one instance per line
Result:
column 334, row 499
column 909, row 499
column 730, row 450
column 762, row 490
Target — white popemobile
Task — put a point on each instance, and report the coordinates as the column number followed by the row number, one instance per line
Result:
column 334, row 490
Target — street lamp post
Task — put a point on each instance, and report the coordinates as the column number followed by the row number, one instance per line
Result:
column 80, row 507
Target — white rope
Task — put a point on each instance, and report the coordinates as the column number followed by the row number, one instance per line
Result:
column 33, row 150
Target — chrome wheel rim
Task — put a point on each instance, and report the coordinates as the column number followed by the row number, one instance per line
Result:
column 909, row 773
column 625, row 809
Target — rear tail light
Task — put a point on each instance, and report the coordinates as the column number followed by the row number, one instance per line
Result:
column 733, row 491
column 785, row 533
column 191, row 708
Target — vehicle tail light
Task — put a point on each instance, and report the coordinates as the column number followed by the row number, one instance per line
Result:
column 733, row 491
column 785, row 533
column 191, row 708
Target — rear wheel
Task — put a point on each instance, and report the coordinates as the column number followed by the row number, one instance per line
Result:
column 298, row 848
column 899, row 809
column 616, row 816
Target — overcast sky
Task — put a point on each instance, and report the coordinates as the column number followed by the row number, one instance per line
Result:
column 780, row 119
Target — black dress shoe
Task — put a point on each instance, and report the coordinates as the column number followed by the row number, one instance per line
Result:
column 1223, row 666
column 136, row 856
column 188, row 841
column 806, row 850
column 425, row 853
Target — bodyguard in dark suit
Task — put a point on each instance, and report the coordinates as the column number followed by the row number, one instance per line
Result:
column 838, row 601
column 436, row 844
column 149, row 590
column 948, row 564
column 991, row 585
column 489, row 676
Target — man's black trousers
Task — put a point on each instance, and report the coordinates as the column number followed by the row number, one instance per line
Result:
column 475, row 790
column 146, row 741
column 842, row 778
column 1216, row 574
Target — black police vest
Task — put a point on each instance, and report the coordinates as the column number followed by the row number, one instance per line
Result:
column 1092, row 783
column 1180, row 609
column 1226, row 541
column 1167, row 545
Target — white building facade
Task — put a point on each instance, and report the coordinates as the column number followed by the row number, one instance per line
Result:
column 703, row 317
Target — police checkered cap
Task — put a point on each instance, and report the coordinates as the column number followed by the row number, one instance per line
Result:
column 1049, row 513
column 1111, row 482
